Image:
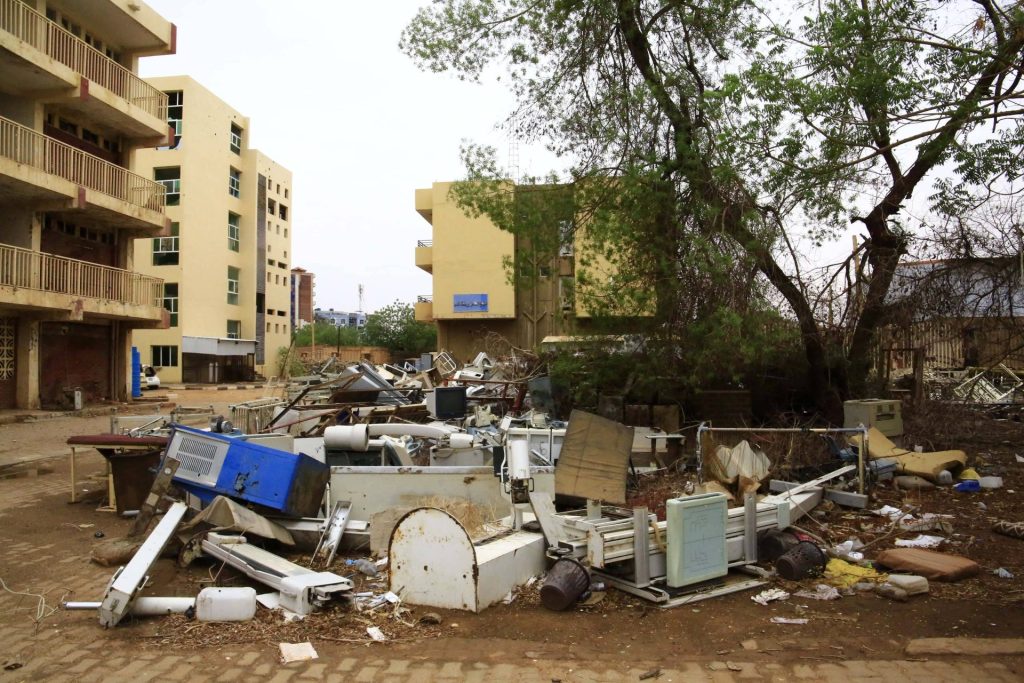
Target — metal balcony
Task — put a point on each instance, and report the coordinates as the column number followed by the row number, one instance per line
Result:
column 32, row 149
column 39, row 280
column 26, row 24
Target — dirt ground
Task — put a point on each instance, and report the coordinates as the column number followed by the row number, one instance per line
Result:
column 618, row 628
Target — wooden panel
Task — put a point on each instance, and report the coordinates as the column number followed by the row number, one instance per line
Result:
column 594, row 459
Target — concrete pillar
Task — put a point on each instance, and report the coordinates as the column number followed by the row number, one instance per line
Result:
column 27, row 364
column 120, row 362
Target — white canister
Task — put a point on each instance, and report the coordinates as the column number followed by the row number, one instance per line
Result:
column 226, row 604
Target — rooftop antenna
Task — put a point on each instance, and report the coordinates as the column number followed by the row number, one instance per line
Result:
column 360, row 298
column 513, row 147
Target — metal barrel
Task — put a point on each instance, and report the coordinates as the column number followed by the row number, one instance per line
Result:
column 565, row 583
column 773, row 544
column 802, row 560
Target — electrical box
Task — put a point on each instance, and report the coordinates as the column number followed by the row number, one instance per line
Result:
column 695, row 539
column 882, row 414
column 214, row 464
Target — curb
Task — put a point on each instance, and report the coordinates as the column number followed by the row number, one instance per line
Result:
column 123, row 409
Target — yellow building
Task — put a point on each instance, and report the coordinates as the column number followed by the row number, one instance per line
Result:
column 227, row 261
column 72, row 109
column 487, row 281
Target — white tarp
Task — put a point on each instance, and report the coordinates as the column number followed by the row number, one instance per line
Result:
column 742, row 461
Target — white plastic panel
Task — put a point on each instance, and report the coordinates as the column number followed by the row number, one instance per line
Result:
column 695, row 540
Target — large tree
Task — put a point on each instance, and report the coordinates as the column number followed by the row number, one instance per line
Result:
column 395, row 328
column 726, row 135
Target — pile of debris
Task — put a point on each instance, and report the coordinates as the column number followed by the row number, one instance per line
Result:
column 456, row 489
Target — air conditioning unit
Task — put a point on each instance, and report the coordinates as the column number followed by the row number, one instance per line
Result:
column 882, row 414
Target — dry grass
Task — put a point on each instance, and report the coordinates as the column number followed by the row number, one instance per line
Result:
column 476, row 519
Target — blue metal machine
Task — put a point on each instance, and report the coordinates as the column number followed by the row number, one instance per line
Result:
column 214, row 465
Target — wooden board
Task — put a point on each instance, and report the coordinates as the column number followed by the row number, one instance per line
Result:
column 594, row 459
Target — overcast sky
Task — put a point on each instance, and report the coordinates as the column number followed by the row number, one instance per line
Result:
column 330, row 96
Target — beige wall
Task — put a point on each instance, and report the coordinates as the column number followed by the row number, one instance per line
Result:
column 277, row 324
column 205, row 158
column 467, row 259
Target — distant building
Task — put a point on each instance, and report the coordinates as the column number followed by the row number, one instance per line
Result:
column 302, row 296
column 72, row 109
column 473, row 295
column 341, row 318
column 225, row 263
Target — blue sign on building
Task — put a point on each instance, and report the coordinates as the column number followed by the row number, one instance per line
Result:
column 470, row 303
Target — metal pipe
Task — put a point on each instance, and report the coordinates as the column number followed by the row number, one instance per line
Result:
column 143, row 607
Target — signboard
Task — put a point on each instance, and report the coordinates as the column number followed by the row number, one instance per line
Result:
column 470, row 303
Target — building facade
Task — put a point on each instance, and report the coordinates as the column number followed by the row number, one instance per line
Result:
column 303, row 295
column 486, row 281
column 226, row 262
column 341, row 318
column 72, row 110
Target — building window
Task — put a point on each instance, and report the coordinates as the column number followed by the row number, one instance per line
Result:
column 277, row 279
column 175, row 109
column 170, row 178
column 232, row 285
column 268, row 277
column 67, row 126
column 171, row 301
column 270, row 184
column 234, row 329
column 284, row 212
column 235, row 183
column 165, row 249
column 271, row 206
column 566, row 237
column 236, row 139
column 286, row 232
column 234, row 233
column 164, row 356
column 286, row 193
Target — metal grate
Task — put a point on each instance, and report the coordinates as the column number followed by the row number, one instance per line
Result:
column 7, row 361
column 196, row 456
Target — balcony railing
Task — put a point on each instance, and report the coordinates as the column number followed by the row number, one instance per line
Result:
column 22, row 268
column 28, row 147
column 425, row 299
column 424, row 243
column 34, row 28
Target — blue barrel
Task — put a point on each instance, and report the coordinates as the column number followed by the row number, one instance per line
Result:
column 136, row 373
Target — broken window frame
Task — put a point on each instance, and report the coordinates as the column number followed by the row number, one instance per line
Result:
column 171, row 302
column 234, row 231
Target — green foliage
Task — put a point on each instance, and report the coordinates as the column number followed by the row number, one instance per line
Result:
column 288, row 365
column 395, row 328
column 327, row 335
column 709, row 142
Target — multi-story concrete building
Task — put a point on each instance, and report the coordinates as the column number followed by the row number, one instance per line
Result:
column 72, row 109
column 474, row 291
column 226, row 262
column 303, row 296
column 341, row 318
